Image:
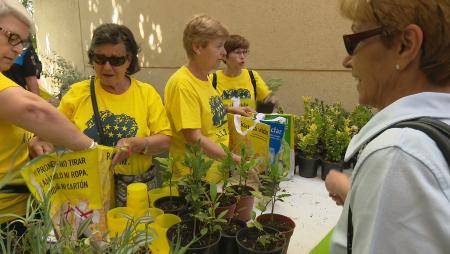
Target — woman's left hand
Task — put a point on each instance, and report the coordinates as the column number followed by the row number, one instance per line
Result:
column 243, row 111
column 126, row 147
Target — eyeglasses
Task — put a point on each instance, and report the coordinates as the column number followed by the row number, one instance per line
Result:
column 112, row 60
column 14, row 39
column 244, row 52
column 351, row 41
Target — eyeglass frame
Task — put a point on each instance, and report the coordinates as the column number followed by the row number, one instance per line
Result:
column 240, row 51
column 112, row 60
column 14, row 39
column 351, row 41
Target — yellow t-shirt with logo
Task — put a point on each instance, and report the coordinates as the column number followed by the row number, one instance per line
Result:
column 138, row 112
column 13, row 155
column 241, row 87
column 192, row 103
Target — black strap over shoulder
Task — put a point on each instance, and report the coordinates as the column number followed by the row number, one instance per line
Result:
column 97, row 118
column 214, row 80
column 11, row 188
column 252, row 78
column 436, row 130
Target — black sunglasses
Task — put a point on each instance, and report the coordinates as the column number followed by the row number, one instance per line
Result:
column 14, row 39
column 351, row 41
column 112, row 60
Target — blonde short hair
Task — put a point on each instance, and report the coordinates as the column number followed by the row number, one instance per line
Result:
column 430, row 15
column 15, row 8
column 202, row 29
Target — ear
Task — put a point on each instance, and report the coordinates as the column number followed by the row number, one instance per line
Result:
column 196, row 47
column 411, row 41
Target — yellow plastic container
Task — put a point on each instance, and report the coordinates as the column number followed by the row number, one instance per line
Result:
column 161, row 192
column 162, row 223
column 137, row 197
column 117, row 221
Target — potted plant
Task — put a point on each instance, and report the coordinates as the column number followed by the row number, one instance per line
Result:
column 202, row 222
column 271, row 192
column 170, row 204
column 309, row 131
column 337, row 135
column 259, row 239
column 246, row 200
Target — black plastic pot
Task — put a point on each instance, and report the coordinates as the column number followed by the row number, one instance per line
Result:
column 186, row 228
column 252, row 234
column 307, row 167
column 228, row 244
column 328, row 165
column 179, row 205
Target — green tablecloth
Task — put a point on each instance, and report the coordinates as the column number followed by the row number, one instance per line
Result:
column 324, row 246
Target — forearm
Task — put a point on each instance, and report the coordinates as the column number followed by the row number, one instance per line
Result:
column 32, row 113
column 155, row 144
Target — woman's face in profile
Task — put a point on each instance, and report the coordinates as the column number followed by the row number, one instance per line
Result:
column 111, row 62
column 213, row 53
column 236, row 58
column 373, row 67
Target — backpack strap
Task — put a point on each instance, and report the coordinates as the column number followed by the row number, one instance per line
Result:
column 214, row 80
column 252, row 78
column 437, row 130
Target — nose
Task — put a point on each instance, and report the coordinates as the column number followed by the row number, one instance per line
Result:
column 107, row 65
column 223, row 52
column 347, row 62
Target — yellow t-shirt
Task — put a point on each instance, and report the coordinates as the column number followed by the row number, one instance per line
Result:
column 241, row 87
column 192, row 103
column 13, row 154
column 138, row 112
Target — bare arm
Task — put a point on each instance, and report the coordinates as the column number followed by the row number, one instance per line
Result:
column 211, row 149
column 32, row 84
column 34, row 114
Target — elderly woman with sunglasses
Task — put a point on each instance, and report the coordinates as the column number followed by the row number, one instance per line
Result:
column 235, row 83
column 398, row 198
column 130, row 113
column 20, row 112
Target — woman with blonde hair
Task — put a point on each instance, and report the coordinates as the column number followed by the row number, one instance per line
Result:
column 398, row 198
column 195, row 110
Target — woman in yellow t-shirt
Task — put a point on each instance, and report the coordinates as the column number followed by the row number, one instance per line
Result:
column 131, row 113
column 236, row 82
column 195, row 109
column 23, row 112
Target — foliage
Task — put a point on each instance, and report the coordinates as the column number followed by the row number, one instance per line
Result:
column 247, row 163
column 359, row 117
column 28, row 4
column 265, row 238
column 337, row 133
column 61, row 72
column 170, row 173
column 270, row 191
column 274, row 84
column 309, row 128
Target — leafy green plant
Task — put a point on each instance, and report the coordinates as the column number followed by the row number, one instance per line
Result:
column 169, row 171
column 359, row 117
column 337, row 134
column 248, row 162
column 310, row 127
column 61, row 72
column 270, row 191
column 274, row 84
column 264, row 239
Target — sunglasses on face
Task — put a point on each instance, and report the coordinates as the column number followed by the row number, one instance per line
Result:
column 112, row 60
column 351, row 41
column 14, row 39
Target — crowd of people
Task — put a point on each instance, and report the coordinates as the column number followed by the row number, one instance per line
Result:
column 397, row 199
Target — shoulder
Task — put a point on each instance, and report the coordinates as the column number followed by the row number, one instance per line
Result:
column 79, row 89
column 5, row 82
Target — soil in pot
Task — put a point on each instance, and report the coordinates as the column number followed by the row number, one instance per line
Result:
column 328, row 165
column 227, row 203
column 250, row 241
column 245, row 202
column 172, row 204
column 184, row 233
column 283, row 224
column 227, row 244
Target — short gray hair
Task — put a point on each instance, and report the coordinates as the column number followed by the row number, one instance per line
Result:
column 15, row 8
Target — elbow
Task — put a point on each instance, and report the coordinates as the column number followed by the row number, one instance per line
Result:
column 165, row 144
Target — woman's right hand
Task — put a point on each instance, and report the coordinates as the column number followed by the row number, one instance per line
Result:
column 38, row 147
column 338, row 185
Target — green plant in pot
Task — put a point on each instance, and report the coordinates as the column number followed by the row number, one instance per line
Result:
column 201, row 222
column 259, row 239
column 309, row 129
column 172, row 203
column 336, row 138
column 245, row 202
column 270, row 192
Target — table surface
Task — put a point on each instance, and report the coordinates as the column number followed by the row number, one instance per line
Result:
column 313, row 212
